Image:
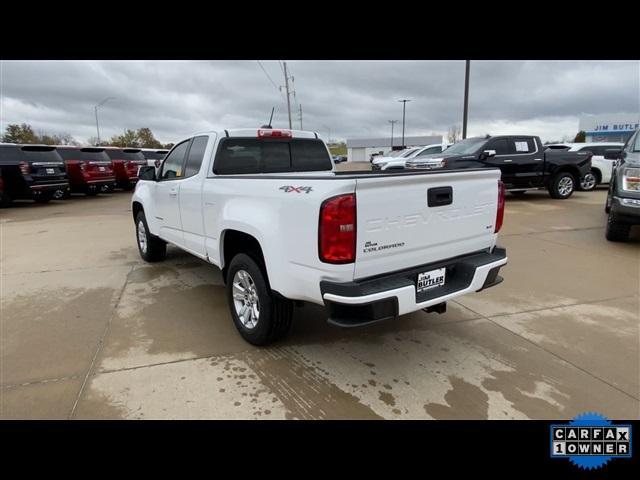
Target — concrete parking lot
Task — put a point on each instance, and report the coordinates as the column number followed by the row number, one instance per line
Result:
column 88, row 330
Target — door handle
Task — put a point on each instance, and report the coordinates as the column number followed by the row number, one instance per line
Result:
column 173, row 193
column 507, row 161
column 537, row 159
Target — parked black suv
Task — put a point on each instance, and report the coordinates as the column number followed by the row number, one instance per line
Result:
column 32, row 172
column 623, row 198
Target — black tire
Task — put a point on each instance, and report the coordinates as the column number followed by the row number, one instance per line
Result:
column 275, row 313
column 559, row 182
column 156, row 248
column 5, row 200
column 129, row 187
column 92, row 192
column 607, row 205
column 616, row 231
column 592, row 184
column 45, row 197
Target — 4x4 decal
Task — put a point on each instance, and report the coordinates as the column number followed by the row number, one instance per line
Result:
column 290, row 188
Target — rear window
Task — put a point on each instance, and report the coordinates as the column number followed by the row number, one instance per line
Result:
column 87, row 154
column 155, row 155
column 10, row 154
column 41, row 154
column 251, row 155
column 125, row 154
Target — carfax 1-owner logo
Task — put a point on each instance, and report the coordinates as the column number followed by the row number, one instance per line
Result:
column 590, row 440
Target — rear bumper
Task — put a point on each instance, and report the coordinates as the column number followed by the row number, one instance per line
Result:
column 381, row 298
column 48, row 186
column 92, row 184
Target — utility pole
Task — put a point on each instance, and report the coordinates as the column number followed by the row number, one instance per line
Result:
column 328, row 133
column 96, row 110
column 466, row 99
column 392, row 122
column 404, row 105
column 286, row 86
column 300, row 116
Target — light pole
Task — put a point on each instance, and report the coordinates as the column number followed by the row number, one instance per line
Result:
column 404, row 106
column 392, row 122
column 96, row 110
column 466, row 99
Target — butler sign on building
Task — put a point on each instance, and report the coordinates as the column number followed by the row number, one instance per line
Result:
column 609, row 128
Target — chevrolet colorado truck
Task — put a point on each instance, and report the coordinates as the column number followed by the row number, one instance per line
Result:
column 268, row 208
column 522, row 159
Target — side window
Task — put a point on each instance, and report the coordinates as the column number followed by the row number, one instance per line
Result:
column 196, row 154
column 501, row 146
column 430, row 151
column 523, row 145
column 633, row 144
column 172, row 166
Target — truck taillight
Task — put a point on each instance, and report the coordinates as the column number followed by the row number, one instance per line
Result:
column 270, row 133
column 337, row 229
column 500, row 212
column 24, row 168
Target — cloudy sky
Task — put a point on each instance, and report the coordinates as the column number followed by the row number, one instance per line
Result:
column 352, row 99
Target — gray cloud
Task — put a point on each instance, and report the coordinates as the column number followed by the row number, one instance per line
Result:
column 352, row 98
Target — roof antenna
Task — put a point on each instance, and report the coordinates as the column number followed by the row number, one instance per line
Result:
column 271, row 118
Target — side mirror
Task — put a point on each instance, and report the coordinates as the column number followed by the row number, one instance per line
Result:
column 489, row 153
column 612, row 153
column 147, row 173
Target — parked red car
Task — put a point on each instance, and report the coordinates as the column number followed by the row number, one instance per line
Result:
column 126, row 163
column 89, row 168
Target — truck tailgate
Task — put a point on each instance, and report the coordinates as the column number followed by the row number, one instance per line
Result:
column 397, row 229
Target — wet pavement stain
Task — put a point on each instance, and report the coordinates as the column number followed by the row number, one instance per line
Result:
column 304, row 393
column 464, row 400
column 52, row 333
column 387, row 398
column 169, row 322
column 148, row 274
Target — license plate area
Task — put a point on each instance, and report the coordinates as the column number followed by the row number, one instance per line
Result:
column 430, row 279
column 50, row 171
column 101, row 169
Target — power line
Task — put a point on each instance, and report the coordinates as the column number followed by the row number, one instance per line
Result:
column 268, row 76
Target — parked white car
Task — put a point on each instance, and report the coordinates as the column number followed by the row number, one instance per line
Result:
column 399, row 161
column 601, row 168
column 269, row 209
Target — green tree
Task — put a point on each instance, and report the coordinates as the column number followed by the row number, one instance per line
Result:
column 146, row 139
column 128, row 139
column 19, row 134
column 581, row 137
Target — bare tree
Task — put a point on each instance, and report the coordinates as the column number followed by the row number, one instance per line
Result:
column 454, row 134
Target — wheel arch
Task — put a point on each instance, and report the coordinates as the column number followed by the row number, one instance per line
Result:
column 234, row 241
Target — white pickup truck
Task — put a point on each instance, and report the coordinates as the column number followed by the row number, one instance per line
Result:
column 267, row 207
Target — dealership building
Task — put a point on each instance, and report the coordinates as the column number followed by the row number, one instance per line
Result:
column 610, row 127
column 359, row 150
